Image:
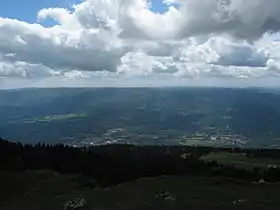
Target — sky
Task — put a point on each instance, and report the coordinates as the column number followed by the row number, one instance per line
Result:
column 51, row 43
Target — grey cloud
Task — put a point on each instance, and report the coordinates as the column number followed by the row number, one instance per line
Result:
column 242, row 56
column 241, row 19
column 24, row 70
column 89, row 52
column 102, row 39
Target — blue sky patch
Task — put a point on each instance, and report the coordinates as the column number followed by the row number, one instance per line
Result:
column 158, row 6
column 26, row 10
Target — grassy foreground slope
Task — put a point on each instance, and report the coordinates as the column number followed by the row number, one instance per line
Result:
column 240, row 160
column 48, row 190
column 180, row 177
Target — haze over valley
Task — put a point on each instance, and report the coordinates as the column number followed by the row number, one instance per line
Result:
column 227, row 117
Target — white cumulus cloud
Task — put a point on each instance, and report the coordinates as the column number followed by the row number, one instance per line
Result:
column 121, row 39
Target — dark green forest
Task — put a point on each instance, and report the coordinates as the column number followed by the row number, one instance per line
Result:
column 114, row 164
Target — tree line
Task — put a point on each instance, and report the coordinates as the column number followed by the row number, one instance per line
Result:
column 114, row 164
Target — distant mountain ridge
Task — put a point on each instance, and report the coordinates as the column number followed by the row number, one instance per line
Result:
column 183, row 115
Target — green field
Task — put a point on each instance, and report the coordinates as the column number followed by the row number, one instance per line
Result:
column 240, row 160
column 47, row 190
column 55, row 118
